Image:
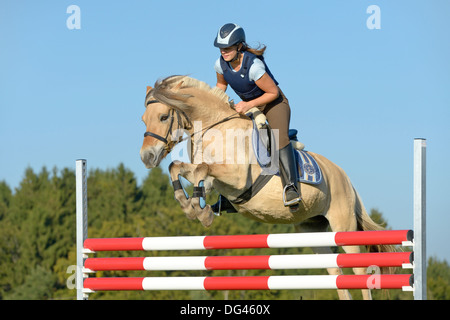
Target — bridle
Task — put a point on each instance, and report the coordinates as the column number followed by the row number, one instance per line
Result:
column 171, row 144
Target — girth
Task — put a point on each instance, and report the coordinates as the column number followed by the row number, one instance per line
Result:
column 259, row 183
column 244, row 197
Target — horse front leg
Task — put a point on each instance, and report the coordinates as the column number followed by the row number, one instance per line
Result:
column 203, row 211
column 177, row 169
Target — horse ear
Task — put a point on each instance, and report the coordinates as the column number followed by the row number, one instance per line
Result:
column 149, row 88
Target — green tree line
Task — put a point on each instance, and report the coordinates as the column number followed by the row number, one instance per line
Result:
column 37, row 230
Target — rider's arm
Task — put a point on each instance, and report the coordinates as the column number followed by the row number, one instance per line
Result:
column 271, row 92
column 221, row 83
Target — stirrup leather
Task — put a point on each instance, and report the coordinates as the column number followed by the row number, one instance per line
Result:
column 218, row 214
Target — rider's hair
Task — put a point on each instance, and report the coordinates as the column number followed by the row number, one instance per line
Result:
column 258, row 51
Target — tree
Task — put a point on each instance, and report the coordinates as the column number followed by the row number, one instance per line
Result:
column 5, row 198
column 438, row 279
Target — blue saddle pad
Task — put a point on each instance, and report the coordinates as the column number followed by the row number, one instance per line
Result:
column 308, row 167
column 309, row 170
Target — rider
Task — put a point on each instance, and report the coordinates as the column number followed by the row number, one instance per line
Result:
column 244, row 69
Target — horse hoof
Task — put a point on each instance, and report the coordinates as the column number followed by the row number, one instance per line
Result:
column 190, row 212
column 206, row 217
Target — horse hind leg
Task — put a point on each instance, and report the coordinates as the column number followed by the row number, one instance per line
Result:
column 366, row 293
column 347, row 217
column 343, row 294
column 320, row 224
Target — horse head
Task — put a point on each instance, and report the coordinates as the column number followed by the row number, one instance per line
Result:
column 163, row 123
column 171, row 106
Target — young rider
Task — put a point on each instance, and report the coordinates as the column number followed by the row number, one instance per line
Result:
column 244, row 69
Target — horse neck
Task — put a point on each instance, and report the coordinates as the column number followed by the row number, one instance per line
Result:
column 220, row 120
column 212, row 112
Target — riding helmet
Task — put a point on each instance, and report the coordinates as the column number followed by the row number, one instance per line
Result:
column 229, row 35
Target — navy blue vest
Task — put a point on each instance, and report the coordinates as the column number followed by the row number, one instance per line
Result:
column 239, row 81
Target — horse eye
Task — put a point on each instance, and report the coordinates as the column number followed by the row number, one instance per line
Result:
column 164, row 117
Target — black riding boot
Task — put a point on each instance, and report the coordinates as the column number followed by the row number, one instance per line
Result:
column 289, row 176
column 223, row 204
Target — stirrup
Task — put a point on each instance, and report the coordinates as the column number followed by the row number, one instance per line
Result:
column 293, row 201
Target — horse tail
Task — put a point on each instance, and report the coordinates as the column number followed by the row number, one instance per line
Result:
column 365, row 223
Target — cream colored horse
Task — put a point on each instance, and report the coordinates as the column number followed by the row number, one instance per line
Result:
column 222, row 158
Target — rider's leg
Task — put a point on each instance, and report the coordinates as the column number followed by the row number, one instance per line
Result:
column 289, row 177
column 278, row 115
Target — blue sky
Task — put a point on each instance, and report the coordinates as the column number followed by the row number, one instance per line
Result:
column 359, row 96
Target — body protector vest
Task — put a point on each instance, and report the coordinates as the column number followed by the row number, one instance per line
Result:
column 239, row 81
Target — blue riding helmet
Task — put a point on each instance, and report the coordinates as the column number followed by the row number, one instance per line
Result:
column 229, row 35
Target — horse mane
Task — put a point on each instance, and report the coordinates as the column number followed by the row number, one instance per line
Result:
column 166, row 90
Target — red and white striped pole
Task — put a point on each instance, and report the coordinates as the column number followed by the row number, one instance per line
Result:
column 282, row 240
column 376, row 281
column 273, row 262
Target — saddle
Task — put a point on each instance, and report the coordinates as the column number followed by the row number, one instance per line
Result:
column 263, row 143
column 263, row 146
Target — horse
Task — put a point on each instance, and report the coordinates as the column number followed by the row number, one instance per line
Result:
column 222, row 158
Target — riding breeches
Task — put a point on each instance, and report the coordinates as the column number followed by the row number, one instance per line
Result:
column 278, row 114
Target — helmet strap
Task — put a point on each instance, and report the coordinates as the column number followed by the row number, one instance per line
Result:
column 239, row 51
column 236, row 57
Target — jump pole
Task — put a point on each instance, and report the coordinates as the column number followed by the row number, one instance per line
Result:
column 252, row 282
column 266, row 262
column 254, row 241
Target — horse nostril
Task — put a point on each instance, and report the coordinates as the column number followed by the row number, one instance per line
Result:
column 150, row 158
column 147, row 157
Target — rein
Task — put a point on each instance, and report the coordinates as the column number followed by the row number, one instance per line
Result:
column 199, row 191
column 171, row 144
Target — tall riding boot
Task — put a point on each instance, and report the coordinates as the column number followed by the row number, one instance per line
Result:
column 223, row 204
column 289, row 178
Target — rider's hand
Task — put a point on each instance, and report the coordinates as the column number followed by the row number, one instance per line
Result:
column 243, row 107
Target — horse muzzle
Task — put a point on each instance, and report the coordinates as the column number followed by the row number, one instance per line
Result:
column 152, row 156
